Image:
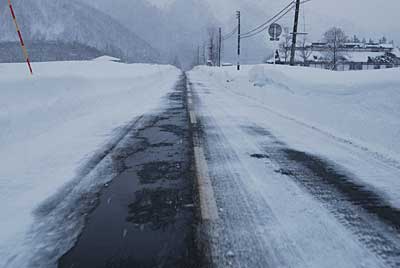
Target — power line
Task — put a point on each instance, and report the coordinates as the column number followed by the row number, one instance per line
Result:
column 261, row 28
column 229, row 35
column 231, row 32
column 271, row 19
column 274, row 19
column 266, row 26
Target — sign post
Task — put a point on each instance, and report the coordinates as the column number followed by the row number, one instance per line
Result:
column 275, row 31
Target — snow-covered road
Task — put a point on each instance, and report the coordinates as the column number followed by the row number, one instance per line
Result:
column 295, row 185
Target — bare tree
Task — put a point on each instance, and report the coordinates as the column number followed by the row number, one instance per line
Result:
column 286, row 43
column 212, row 45
column 203, row 54
column 355, row 39
column 306, row 50
column 335, row 39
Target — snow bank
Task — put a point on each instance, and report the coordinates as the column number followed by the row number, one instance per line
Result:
column 52, row 124
column 261, row 77
column 360, row 105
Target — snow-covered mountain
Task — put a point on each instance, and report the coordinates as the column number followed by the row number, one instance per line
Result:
column 175, row 28
column 74, row 21
column 139, row 16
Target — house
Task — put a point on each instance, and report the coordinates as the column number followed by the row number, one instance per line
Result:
column 350, row 55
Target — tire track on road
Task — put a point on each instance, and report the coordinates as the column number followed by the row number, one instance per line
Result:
column 375, row 222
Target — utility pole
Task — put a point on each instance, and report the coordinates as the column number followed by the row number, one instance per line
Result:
column 238, row 51
column 219, row 46
column 211, row 51
column 204, row 54
column 295, row 26
column 198, row 55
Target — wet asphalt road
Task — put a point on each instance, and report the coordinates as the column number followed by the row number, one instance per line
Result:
column 146, row 217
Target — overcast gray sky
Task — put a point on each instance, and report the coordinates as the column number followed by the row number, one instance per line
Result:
column 376, row 16
column 364, row 17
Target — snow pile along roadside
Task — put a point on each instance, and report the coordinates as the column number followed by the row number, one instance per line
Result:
column 360, row 106
column 51, row 125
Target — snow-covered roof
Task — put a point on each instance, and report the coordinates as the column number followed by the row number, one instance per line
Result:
column 106, row 58
column 386, row 45
column 353, row 44
column 351, row 56
column 396, row 51
column 361, row 56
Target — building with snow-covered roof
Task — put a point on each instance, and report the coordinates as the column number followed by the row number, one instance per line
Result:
column 350, row 56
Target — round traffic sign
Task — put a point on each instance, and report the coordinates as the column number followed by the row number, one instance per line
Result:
column 275, row 30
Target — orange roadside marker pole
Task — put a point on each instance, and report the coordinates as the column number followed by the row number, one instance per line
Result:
column 20, row 38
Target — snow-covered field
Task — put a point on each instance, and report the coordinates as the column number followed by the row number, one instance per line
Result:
column 52, row 125
column 264, row 127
